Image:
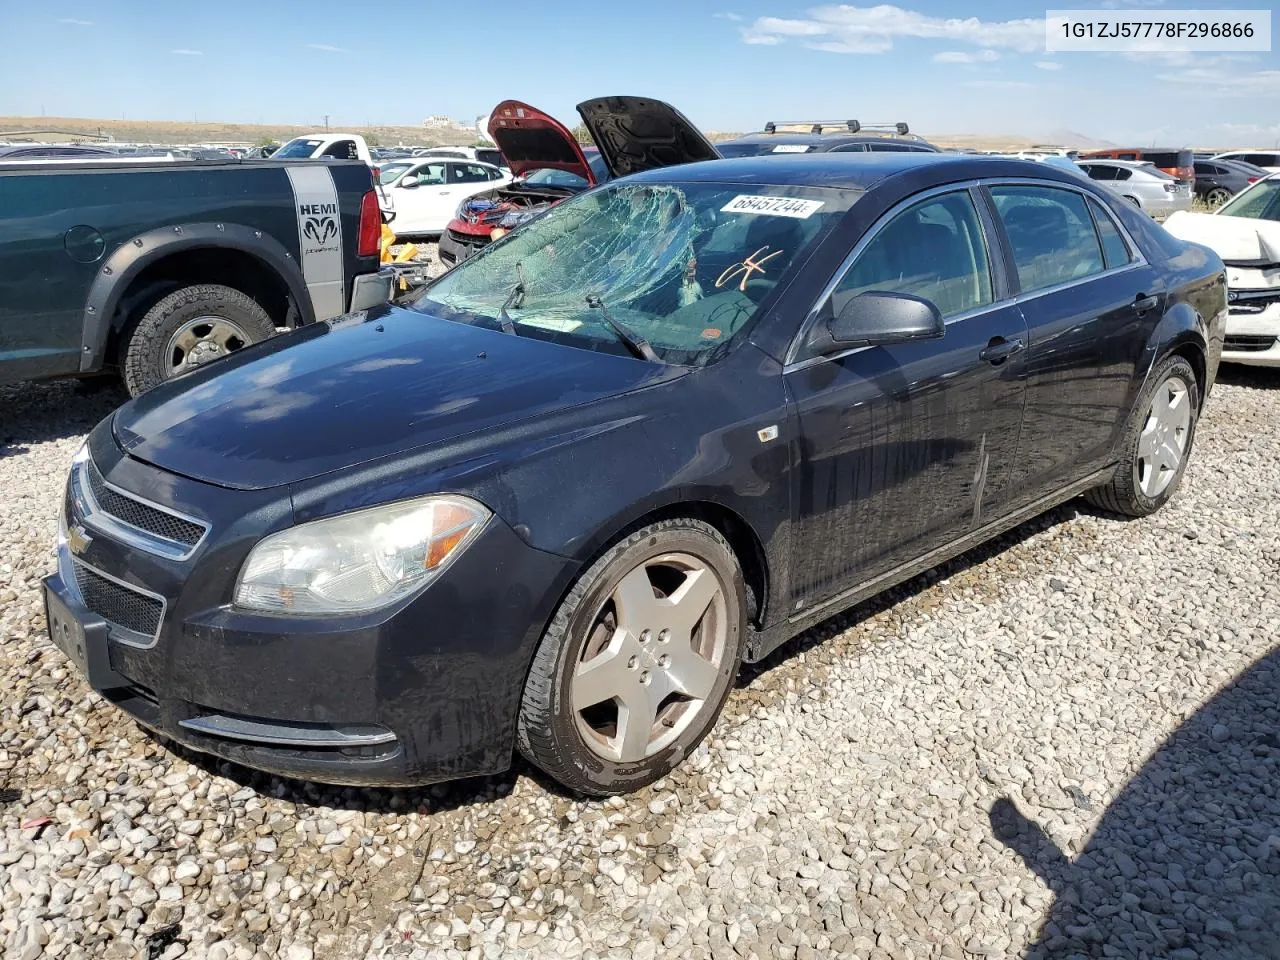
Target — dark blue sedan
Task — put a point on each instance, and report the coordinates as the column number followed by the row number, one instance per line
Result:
column 555, row 504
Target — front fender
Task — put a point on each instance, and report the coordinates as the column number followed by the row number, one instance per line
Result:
column 134, row 256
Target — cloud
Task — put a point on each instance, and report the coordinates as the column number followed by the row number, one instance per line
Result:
column 999, row 84
column 1216, row 82
column 841, row 28
column 960, row 56
column 184, row 52
column 327, row 48
column 1048, row 65
column 1121, row 4
column 76, row 23
column 734, row 17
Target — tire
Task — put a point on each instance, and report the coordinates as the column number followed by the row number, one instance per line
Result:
column 1135, row 201
column 574, row 745
column 1217, row 196
column 146, row 357
column 1126, row 493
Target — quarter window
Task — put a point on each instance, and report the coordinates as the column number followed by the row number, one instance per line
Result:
column 1051, row 235
column 467, row 173
column 1115, row 252
column 1098, row 171
column 933, row 250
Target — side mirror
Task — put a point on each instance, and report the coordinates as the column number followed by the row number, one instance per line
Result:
column 878, row 317
column 408, row 181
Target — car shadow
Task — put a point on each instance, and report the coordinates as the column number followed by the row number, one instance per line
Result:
column 1240, row 375
column 1185, row 863
column 43, row 412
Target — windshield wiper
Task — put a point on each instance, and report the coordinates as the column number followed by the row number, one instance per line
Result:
column 635, row 343
column 504, row 318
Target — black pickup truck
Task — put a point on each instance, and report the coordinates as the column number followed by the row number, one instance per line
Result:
column 154, row 268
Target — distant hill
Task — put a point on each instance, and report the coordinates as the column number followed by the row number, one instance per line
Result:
column 178, row 131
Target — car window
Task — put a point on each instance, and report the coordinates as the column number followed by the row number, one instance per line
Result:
column 490, row 156
column 430, row 174
column 1127, row 156
column 849, row 148
column 1259, row 202
column 341, row 150
column 1115, row 252
column 550, row 177
column 467, row 173
column 933, row 250
column 686, row 266
column 1122, row 173
column 888, row 147
column 297, row 149
column 1050, row 233
column 1098, row 171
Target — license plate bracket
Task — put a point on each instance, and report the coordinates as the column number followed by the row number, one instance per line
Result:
column 83, row 638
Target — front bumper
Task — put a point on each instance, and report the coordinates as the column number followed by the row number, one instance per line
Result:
column 425, row 691
column 1253, row 337
column 457, row 245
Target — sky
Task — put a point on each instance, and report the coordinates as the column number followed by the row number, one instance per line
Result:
column 974, row 66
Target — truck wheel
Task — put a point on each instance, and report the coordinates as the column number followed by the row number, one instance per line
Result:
column 188, row 328
column 1157, row 444
column 636, row 664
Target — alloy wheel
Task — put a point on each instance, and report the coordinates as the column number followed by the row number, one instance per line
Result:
column 200, row 340
column 651, row 658
column 1162, row 444
column 1218, row 196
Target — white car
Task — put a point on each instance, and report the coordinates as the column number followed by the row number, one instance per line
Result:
column 1245, row 233
column 1142, row 184
column 489, row 155
column 1268, row 160
column 423, row 194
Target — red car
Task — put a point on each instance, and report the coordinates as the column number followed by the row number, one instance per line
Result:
column 632, row 133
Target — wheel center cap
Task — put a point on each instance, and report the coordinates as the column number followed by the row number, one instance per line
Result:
column 648, row 659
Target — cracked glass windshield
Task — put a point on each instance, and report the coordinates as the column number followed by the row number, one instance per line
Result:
column 680, row 267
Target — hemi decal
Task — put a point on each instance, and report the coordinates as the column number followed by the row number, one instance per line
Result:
column 319, row 237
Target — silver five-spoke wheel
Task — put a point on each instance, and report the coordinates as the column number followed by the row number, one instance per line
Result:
column 652, row 658
column 200, row 340
column 1162, row 444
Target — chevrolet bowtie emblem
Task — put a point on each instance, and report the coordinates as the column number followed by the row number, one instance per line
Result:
column 78, row 539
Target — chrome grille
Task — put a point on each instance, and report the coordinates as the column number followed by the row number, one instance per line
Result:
column 137, row 514
column 118, row 604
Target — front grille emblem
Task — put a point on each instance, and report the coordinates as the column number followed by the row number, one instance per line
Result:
column 78, row 539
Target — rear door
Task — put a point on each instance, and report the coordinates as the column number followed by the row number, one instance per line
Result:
column 1090, row 301
column 906, row 445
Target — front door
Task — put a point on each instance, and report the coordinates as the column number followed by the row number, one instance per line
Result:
column 1090, row 304
column 419, row 206
column 906, row 446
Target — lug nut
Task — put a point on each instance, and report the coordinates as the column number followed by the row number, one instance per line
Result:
column 664, row 661
column 644, row 678
column 633, row 663
column 665, row 636
column 645, row 636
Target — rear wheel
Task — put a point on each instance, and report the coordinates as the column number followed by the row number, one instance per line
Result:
column 1157, row 444
column 638, row 660
column 1135, row 201
column 1217, row 196
column 187, row 329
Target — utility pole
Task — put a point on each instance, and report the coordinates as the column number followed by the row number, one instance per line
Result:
column 326, row 123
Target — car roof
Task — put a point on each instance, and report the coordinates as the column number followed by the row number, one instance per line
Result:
column 853, row 170
column 1132, row 164
column 823, row 139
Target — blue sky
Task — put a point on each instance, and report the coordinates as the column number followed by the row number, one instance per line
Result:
column 727, row 64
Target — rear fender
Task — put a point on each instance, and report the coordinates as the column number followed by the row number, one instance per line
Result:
column 134, row 256
column 1181, row 330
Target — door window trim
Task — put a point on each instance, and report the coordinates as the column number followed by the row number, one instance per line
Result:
column 1006, row 287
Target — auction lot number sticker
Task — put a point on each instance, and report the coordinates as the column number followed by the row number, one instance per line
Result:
column 1146, row 30
column 773, row 206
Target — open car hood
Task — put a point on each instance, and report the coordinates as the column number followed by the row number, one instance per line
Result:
column 637, row 133
column 1242, row 241
column 532, row 140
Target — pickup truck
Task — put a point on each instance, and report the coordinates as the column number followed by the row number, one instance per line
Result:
column 152, row 269
column 326, row 146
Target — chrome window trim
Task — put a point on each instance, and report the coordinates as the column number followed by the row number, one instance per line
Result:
column 121, row 633
column 791, row 364
column 91, row 513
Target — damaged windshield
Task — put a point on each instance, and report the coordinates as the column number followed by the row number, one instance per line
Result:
column 682, row 266
column 1260, row 202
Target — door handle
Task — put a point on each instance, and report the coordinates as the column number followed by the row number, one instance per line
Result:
column 999, row 349
column 1142, row 304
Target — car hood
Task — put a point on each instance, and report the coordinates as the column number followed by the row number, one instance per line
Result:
column 636, row 134
column 532, row 140
column 1241, row 241
column 360, row 388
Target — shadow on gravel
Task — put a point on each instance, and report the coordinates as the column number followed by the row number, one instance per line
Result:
column 35, row 413
column 1186, row 862
column 1258, row 378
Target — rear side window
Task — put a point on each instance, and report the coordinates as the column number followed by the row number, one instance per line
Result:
column 888, row 147
column 1122, row 173
column 1098, row 171
column 467, row 173
column 1115, row 252
column 489, row 156
column 849, row 148
column 1262, row 159
column 1051, row 235
column 933, row 250
column 341, row 150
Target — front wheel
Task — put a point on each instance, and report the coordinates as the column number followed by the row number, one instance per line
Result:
column 187, row 329
column 1157, row 444
column 1217, row 196
column 638, row 660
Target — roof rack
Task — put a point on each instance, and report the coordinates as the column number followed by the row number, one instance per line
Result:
column 851, row 126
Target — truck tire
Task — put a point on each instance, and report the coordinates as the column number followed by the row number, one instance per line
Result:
column 187, row 329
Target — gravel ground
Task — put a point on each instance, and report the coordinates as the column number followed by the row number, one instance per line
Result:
column 1064, row 744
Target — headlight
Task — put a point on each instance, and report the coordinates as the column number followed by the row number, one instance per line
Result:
column 358, row 561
